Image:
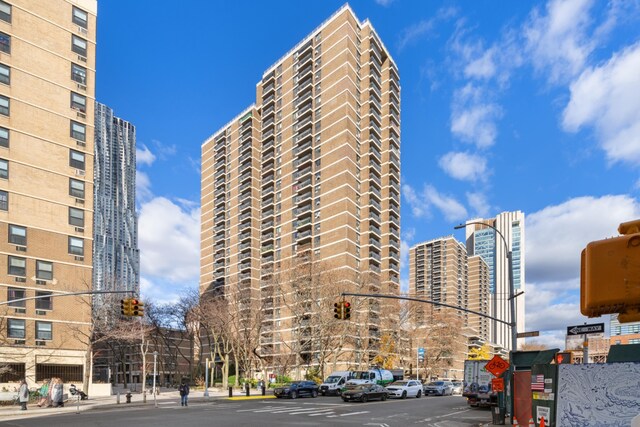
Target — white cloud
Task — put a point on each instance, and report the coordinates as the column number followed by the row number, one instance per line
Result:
column 144, row 156
column 607, row 98
column 157, row 292
column 479, row 204
column 169, row 241
column 448, row 205
column 473, row 118
column 556, row 235
column 418, row 207
column 384, row 3
column 404, row 254
column 557, row 40
column 424, row 27
column 421, row 203
column 143, row 186
column 483, row 66
column 464, row 166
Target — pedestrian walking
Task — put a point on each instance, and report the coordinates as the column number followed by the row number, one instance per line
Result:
column 43, row 392
column 23, row 395
column 184, row 393
column 57, row 397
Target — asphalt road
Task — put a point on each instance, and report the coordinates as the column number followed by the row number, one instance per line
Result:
column 450, row 411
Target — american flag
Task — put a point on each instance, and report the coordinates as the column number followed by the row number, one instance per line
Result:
column 537, row 382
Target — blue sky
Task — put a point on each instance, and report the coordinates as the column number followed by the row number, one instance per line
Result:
column 506, row 105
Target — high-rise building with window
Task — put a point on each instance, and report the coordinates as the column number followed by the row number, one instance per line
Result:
column 116, row 258
column 311, row 171
column 47, row 80
column 483, row 241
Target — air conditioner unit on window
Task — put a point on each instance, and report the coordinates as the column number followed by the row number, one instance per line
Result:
column 79, row 230
column 41, row 282
column 80, row 172
column 21, row 248
column 41, row 312
column 81, row 115
column 80, row 201
column 21, row 310
column 81, row 86
column 21, row 279
column 19, row 342
column 81, row 144
column 79, row 258
column 41, row 343
column 82, row 58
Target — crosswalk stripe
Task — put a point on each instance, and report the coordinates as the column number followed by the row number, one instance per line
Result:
column 310, row 410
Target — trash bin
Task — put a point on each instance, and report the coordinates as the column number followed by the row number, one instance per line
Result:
column 498, row 414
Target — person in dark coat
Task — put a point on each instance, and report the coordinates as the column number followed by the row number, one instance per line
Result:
column 184, row 393
column 23, row 395
column 57, row 397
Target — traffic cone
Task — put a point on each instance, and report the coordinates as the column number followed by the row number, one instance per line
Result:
column 531, row 422
column 542, row 423
column 515, row 422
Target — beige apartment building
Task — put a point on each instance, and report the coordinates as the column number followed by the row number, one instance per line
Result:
column 440, row 271
column 306, row 179
column 47, row 81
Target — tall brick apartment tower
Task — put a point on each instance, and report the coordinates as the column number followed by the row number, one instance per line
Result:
column 47, row 81
column 309, row 173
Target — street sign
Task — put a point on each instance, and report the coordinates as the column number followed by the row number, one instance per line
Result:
column 528, row 334
column 497, row 366
column 497, row 384
column 596, row 328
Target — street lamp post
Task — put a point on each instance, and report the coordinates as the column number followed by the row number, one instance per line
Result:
column 206, row 378
column 155, row 360
column 512, row 298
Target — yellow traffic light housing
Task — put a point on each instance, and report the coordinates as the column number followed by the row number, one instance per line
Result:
column 125, row 307
column 610, row 275
column 337, row 310
column 137, row 308
column 346, row 310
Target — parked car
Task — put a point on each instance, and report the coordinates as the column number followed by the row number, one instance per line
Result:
column 297, row 389
column 457, row 387
column 364, row 392
column 404, row 389
column 439, row 388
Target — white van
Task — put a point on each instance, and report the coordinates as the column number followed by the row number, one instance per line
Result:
column 334, row 383
column 372, row 376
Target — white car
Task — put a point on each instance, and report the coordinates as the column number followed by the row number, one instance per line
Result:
column 404, row 389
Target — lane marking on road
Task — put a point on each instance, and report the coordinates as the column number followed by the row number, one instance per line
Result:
column 426, row 420
column 325, row 412
column 308, row 410
column 323, row 404
column 354, row 413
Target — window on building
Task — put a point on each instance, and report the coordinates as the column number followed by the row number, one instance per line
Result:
column 4, row 169
column 15, row 328
column 17, row 235
column 76, row 246
column 76, row 217
column 4, row 200
column 79, row 102
column 78, row 45
column 15, row 294
column 4, row 137
column 43, row 330
column 76, row 188
column 5, row 11
column 4, row 105
column 78, row 74
column 5, row 74
column 44, row 270
column 17, row 266
column 80, row 17
column 5, row 43
column 78, row 131
column 76, row 159
column 45, row 302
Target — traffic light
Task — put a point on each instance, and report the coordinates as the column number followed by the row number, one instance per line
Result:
column 125, row 307
column 563, row 357
column 609, row 274
column 137, row 308
column 337, row 309
column 346, row 310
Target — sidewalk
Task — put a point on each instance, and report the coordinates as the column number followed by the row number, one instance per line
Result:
column 164, row 396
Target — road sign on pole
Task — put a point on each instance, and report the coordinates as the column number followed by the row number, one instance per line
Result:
column 596, row 328
column 497, row 366
column 528, row 334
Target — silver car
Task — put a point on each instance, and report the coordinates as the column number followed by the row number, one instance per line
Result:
column 457, row 387
column 439, row 388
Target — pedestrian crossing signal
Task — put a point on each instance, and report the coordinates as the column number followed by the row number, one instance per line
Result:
column 563, row 357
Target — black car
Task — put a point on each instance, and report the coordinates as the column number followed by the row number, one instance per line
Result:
column 364, row 392
column 297, row 389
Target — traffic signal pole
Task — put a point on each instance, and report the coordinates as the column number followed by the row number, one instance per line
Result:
column 66, row 294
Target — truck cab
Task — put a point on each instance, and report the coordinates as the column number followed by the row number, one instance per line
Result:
column 335, row 382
